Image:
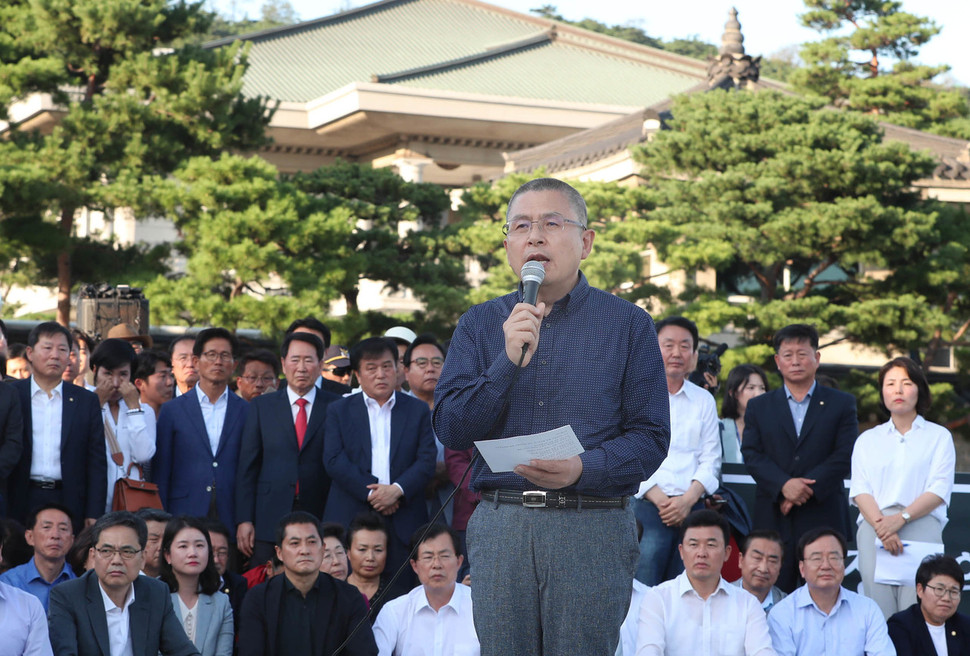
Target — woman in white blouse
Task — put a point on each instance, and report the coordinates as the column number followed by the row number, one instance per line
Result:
column 131, row 422
column 190, row 571
column 902, row 477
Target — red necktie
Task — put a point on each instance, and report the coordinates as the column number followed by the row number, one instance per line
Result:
column 300, row 431
column 301, row 422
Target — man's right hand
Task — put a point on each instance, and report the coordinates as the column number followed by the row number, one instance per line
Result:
column 798, row 490
column 245, row 538
column 521, row 328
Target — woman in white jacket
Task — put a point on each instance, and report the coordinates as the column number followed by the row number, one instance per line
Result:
column 131, row 422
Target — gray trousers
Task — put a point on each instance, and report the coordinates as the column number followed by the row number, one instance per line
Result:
column 892, row 598
column 550, row 582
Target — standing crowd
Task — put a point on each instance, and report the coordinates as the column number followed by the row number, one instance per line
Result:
column 209, row 500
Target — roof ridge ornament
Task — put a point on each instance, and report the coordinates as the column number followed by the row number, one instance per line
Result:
column 732, row 68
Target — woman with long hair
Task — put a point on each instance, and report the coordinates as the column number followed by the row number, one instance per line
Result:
column 190, row 571
column 744, row 382
column 902, row 477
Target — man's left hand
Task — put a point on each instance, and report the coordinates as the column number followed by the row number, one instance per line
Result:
column 675, row 510
column 552, row 474
column 383, row 497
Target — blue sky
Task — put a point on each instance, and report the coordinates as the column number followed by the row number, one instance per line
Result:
column 769, row 26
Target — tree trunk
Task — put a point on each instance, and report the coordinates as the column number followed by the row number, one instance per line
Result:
column 64, row 269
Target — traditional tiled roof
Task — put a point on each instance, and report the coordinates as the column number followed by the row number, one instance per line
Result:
column 954, row 154
column 463, row 46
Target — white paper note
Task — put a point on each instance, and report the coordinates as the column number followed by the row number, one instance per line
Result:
column 503, row 455
column 901, row 569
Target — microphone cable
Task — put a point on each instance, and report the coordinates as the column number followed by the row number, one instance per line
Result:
column 477, row 454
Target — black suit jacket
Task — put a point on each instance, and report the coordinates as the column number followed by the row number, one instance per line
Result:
column 270, row 463
column 84, row 459
column 773, row 453
column 340, row 609
column 907, row 630
column 11, row 434
column 235, row 587
column 79, row 627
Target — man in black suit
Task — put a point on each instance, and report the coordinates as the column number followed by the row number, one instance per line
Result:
column 304, row 611
column 281, row 457
column 797, row 445
column 64, row 459
column 934, row 621
column 11, row 439
column 231, row 584
column 111, row 610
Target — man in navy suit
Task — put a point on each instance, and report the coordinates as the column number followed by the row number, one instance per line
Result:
column 199, row 435
column 281, row 459
column 380, row 450
column 142, row 621
column 64, row 459
column 797, row 445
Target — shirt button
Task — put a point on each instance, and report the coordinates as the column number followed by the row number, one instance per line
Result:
column 208, row 488
column 548, row 325
column 540, row 402
column 543, row 362
column 215, row 464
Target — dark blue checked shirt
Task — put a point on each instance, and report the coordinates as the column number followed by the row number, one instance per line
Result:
column 597, row 368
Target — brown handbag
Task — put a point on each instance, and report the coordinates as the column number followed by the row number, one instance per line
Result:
column 130, row 493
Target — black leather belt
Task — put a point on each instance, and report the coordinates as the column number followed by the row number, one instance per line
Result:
column 552, row 499
column 46, row 484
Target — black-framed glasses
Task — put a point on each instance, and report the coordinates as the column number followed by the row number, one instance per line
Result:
column 549, row 224
column 127, row 553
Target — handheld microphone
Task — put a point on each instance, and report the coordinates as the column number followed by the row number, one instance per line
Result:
column 533, row 273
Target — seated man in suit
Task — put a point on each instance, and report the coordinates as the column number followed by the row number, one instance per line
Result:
column 304, row 611
column 281, row 460
column 199, row 435
column 933, row 627
column 760, row 561
column 111, row 610
column 231, row 584
column 797, row 446
column 64, row 459
column 380, row 450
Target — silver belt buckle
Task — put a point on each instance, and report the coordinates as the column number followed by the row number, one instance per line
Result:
column 534, row 499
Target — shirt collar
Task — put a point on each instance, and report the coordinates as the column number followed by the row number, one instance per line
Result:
column 803, row 599
column 293, row 396
column 454, row 603
column 373, row 402
column 203, row 397
column 684, row 586
column 578, row 293
column 811, row 391
column 34, row 388
column 33, row 574
column 110, row 605
column 918, row 424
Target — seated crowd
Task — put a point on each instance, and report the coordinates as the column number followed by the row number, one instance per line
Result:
column 296, row 514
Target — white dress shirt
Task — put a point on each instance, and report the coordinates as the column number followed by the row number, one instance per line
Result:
column 855, row 627
column 45, row 416
column 23, row 624
column 408, row 626
column 628, row 630
column 676, row 621
column 379, row 417
column 214, row 415
column 136, row 439
column 119, row 625
column 695, row 444
column 896, row 468
column 310, row 398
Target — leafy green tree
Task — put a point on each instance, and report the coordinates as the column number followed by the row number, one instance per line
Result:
column 126, row 112
column 803, row 210
column 263, row 248
column 849, row 67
